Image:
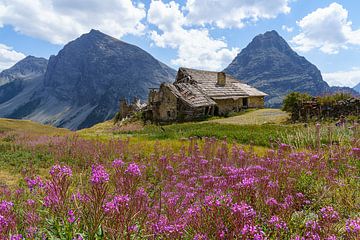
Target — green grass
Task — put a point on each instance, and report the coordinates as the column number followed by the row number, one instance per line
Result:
column 257, row 117
column 245, row 134
column 27, row 126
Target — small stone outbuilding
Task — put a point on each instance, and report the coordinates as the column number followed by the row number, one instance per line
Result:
column 197, row 94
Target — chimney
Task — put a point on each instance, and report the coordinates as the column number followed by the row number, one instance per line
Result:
column 221, row 78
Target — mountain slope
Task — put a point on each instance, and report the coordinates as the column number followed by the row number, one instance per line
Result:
column 268, row 63
column 84, row 82
column 21, row 78
column 27, row 68
column 357, row 88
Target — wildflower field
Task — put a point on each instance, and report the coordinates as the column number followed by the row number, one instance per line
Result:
column 169, row 184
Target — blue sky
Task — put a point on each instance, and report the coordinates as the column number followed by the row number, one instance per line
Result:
column 204, row 34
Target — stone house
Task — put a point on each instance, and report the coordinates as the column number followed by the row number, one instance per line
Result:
column 197, row 94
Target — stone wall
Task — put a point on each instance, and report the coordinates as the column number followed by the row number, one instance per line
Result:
column 256, row 102
column 163, row 104
column 229, row 105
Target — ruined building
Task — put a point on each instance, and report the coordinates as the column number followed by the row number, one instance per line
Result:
column 128, row 109
column 197, row 94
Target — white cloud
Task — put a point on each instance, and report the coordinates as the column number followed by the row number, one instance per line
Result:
column 8, row 57
column 59, row 21
column 196, row 48
column 343, row 78
column 233, row 13
column 287, row 29
column 327, row 29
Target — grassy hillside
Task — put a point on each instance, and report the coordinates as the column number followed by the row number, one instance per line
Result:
column 258, row 117
column 14, row 125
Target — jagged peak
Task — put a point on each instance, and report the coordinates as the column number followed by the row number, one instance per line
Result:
column 269, row 39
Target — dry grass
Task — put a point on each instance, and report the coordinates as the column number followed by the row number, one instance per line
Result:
column 258, row 117
column 27, row 126
column 9, row 178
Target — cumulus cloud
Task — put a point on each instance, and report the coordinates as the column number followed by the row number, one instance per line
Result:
column 196, row 48
column 233, row 13
column 343, row 78
column 327, row 29
column 287, row 29
column 8, row 57
column 59, row 21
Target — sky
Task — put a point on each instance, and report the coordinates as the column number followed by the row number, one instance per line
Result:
column 204, row 34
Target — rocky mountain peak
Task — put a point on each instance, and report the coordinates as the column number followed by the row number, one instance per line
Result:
column 269, row 63
column 27, row 68
column 270, row 41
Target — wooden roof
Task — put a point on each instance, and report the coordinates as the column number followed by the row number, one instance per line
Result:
column 200, row 88
column 190, row 94
column 207, row 81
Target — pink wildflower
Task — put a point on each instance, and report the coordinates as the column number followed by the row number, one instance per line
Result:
column 99, row 175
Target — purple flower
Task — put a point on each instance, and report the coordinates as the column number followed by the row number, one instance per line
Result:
column 118, row 203
column 328, row 214
column 30, row 202
column 133, row 169
column 353, row 226
column 245, row 211
column 71, row 216
column 99, row 175
column 16, row 237
column 60, row 171
column 117, row 163
column 272, row 202
column 276, row 222
column 34, row 182
column 5, row 206
column 252, row 231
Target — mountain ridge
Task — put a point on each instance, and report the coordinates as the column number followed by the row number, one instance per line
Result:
column 84, row 82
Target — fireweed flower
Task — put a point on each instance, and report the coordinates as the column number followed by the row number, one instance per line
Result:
column 277, row 223
column 116, row 204
column 118, row 163
column 252, row 232
column 30, row 202
column 133, row 170
column 32, row 183
column 353, row 226
column 245, row 210
column 328, row 214
column 272, row 202
column 60, row 171
column 71, row 216
column 99, row 175
column 16, row 237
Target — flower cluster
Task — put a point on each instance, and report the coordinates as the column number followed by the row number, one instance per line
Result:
column 99, row 175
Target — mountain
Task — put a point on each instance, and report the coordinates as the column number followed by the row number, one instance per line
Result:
column 21, row 78
column 83, row 83
column 28, row 68
column 357, row 88
column 269, row 64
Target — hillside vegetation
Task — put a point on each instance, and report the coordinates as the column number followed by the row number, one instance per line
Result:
column 13, row 125
column 182, row 181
